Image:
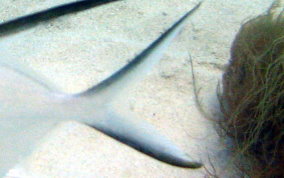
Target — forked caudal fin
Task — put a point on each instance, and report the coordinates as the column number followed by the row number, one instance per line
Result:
column 132, row 131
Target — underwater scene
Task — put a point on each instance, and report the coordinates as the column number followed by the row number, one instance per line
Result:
column 140, row 88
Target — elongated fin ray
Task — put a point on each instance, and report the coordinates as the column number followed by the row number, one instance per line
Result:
column 141, row 64
column 29, row 21
column 143, row 137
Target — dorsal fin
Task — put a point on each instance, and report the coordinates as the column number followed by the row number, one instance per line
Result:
column 25, row 22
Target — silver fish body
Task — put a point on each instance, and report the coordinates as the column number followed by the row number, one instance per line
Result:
column 30, row 107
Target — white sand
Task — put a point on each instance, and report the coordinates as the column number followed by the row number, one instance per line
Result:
column 79, row 50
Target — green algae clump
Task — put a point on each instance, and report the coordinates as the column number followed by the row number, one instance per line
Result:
column 252, row 100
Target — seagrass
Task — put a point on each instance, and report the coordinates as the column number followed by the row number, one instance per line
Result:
column 252, row 100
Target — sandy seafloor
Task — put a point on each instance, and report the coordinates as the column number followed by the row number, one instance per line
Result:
column 78, row 51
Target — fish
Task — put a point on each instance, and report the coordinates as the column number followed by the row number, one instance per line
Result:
column 31, row 105
column 29, row 21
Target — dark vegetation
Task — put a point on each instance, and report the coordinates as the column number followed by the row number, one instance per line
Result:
column 252, row 100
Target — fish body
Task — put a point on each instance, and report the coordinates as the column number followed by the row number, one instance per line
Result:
column 31, row 105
